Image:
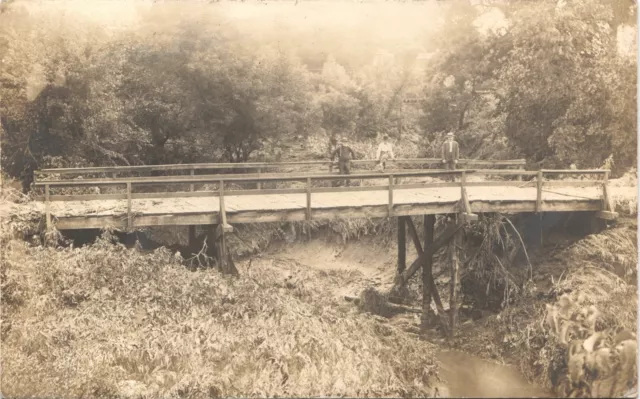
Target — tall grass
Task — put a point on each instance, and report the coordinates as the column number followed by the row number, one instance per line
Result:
column 107, row 321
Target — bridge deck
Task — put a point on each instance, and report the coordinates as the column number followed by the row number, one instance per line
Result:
column 290, row 207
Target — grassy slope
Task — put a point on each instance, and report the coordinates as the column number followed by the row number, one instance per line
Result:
column 105, row 320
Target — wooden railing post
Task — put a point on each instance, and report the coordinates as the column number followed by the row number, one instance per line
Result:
column 539, row 192
column 467, row 215
column 308, row 198
column 259, row 184
column 223, row 215
column 390, row 195
column 519, row 177
column 192, row 172
column 47, row 206
column 129, row 221
column 608, row 211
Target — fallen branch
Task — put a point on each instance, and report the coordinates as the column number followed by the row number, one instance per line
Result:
column 389, row 307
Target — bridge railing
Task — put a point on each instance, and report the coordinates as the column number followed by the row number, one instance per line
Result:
column 258, row 168
column 221, row 186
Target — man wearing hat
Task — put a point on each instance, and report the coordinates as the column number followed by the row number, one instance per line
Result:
column 450, row 154
column 345, row 154
column 385, row 152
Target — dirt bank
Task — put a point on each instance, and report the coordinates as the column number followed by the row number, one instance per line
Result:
column 470, row 376
column 369, row 264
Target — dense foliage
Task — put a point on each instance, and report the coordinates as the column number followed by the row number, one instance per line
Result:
column 187, row 83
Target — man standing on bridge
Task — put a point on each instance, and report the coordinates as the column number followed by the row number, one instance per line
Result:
column 345, row 154
column 450, row 154
column 384, row 153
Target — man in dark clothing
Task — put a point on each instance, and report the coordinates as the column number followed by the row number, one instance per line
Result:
column 345, row 154
column 450, row 154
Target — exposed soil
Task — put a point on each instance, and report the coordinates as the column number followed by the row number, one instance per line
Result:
column 371, row 265
column 471, row 376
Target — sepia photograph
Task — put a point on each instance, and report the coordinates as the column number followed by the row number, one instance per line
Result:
column 318, row 198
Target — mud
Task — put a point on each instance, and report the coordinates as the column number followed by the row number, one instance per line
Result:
column 466, row 375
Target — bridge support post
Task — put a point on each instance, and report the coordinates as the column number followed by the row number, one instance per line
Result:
column 427, row 271
column 402, row 248
column 217, row 247
column 225, row 260
column 454, row 286
column 424, row 256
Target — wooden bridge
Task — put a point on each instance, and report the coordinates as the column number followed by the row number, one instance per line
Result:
column 137, row 201
column 184, row 196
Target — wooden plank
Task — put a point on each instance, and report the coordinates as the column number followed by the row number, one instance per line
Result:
column 83, row 197
column 266, row 191
column 348, row 189
column 381, row 211
column 572, row 183
column 407, row 186
column 268, row 216
column 92, row 222
column 504, row 172
column 192, row 172
column 503, row 183
column 531, row 206
column 607, row 215
column 233, row 178
column 575, row 171
column 402, row 249
column 257, row 165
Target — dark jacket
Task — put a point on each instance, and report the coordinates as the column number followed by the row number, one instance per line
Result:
column 452, row 155
column 344, row 153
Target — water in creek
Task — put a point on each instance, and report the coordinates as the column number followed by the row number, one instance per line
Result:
column 466, row 375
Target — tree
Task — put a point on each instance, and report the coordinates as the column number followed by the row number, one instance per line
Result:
column 560, row 87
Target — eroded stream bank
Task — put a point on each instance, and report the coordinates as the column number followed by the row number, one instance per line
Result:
column 467, row 376
column 324, row 264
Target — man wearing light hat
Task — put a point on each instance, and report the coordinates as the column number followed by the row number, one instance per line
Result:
column 345, row 154
column 450, row 153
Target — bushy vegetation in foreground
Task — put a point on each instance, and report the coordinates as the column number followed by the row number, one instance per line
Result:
column 599, row 270
column 106, row 321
